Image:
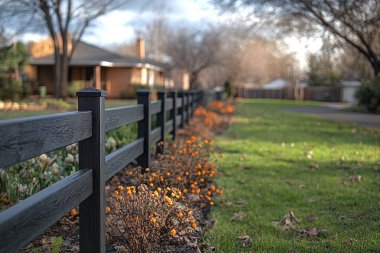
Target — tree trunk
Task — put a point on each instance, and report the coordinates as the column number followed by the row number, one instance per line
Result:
column 64, row 82
column 376, row 68
column 61, row 68
column 193, row 80
column 65, row 64
column 57, row 76
column 61, row 72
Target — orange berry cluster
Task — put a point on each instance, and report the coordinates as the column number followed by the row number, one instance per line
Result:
column 221, row 107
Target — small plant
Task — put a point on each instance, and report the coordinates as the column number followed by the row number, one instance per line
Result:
column 189, row 166
column 139, row 219
column 27, row 178
column 56, row 244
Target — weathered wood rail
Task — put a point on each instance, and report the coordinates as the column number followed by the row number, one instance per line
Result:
column 25, row 138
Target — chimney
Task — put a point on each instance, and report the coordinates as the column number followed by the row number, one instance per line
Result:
column 140, row 48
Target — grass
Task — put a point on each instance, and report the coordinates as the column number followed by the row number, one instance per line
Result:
column 274, row 176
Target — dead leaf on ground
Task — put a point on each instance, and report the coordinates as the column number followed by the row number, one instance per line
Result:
column 226, row 203
column 241, row 181
column 352, row 179
column 311, row 217
column 244, row 240
column 311, row 232
column 314, row 165
column 356, row 179
column 238, row 216
column 309, row 154
column 240, row 202
column 289, row 221
column 350, row 241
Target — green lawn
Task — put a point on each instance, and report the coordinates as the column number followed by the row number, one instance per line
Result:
column 267, row 170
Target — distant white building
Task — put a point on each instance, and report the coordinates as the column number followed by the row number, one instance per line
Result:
column 349, row 87
column 276, row 84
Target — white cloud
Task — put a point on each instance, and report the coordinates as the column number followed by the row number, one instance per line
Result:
column 111, row 28
column 302, row 47
column 30, row 37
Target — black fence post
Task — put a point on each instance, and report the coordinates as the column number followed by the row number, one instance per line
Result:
column 181, row 110
column 219, row 95
column 161, row 120
column 187, row 107
column 204, row 98
column 192, row 102
column 173, row 95
column 144, row 127
column 91, row 156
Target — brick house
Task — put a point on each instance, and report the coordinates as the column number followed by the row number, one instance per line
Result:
column 102, row 69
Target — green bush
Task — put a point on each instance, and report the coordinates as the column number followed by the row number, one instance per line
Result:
column 368, row 96
column 26, row 89
column 73, row 88
column 130, row 92
column 228, row 89
column 10, row 89
column 57, row 104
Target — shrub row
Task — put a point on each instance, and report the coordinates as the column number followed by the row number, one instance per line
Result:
column 158, row 209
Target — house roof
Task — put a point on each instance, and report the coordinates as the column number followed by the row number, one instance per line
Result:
column 276, row 84
column 87, row 54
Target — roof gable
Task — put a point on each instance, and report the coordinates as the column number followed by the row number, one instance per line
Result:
column 87, row 54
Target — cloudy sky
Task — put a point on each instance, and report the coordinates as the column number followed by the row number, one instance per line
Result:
column 119, row 26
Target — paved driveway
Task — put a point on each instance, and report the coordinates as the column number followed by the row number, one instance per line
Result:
column 363, row 119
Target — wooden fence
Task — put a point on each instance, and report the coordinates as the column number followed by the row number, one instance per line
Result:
column 316, row 93
column 25, row 138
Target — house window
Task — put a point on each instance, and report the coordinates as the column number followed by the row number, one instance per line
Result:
column 89, row 73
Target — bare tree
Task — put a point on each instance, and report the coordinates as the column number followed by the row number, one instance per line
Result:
column 249, row 58
column 156, row 31
column 63, row 19
column 3, row 37
column 356, row 23
column 194, row 49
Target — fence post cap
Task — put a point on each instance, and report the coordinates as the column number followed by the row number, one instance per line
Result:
column 91, row 92
column 161, row 92
column 143, row 92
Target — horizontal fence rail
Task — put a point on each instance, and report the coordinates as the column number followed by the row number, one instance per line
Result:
column 118, row 117
column 169, row 126
column 25, row 138
column 120, row 158
column 21, row 223
column 155, row 135
column 169, row 104
column 155, row 107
